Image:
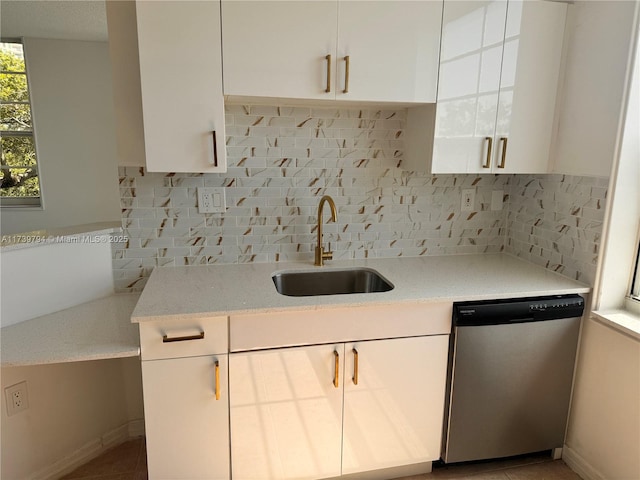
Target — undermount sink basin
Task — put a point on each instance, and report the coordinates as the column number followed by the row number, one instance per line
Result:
column 330, row 282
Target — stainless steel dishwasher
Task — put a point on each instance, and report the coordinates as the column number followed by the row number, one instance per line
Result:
column 510, row 373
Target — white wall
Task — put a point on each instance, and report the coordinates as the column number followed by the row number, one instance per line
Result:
column 603, row 439
column 620, row 244
column 75, row 410
column 48, row 278
column 73, row 114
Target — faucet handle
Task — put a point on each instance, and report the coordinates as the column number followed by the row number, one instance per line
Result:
column 328, row 254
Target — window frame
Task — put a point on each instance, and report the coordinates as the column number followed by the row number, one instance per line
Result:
column 35, row 203
column 634, row 287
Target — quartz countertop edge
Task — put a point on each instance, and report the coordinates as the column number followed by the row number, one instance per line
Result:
column 220, row 290
column 95, row 330
column 36, row 238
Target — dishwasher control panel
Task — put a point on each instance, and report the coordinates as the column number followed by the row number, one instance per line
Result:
column 517, row 310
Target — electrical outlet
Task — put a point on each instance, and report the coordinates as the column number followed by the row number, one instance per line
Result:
column 211, row 200
column 17, row 398
column 468, row 200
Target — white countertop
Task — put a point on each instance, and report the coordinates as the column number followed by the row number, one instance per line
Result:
column 95, row 330
column 183, row 292
column 72, row 234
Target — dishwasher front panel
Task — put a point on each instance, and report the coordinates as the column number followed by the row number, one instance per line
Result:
column 510, row 388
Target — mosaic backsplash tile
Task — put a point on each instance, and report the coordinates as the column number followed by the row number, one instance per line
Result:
column 556, row 221
column 281, row 160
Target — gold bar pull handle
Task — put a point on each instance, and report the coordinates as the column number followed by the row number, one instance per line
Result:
column 328, row 59
column 167, row 339
column 503, row 159
column 487, row 163
column 355, row 366
column 336, row 376
column 217, row 380
column 346, row 74
column 214, row 161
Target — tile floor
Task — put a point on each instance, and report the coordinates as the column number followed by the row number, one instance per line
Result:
column 128, row 462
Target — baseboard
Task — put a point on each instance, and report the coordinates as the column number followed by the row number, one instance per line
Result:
column 578, row 464
column 115, row 437
column 387, row 473
column 136, row 428
column 90, row 450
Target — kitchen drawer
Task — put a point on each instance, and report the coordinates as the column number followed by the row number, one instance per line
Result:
column 183, row 337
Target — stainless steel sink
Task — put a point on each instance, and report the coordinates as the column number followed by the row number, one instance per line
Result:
column 330, row 282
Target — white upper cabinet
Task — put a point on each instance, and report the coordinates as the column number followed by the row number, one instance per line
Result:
column 279, row 49
column 499, row 71
column 345, row 50
column 392, row 49
column 597, row 74
column 181, row 84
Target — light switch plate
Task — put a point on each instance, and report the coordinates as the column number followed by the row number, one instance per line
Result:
column 211, row 200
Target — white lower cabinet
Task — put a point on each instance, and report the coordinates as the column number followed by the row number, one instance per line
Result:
column 298, row 413
column 186, row 408
column 286, row 413
column 185, row 378
column 393, row 415
column 270, row 412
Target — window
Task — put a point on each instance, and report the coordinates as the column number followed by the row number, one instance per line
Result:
column 19, row 182
column 635, row 282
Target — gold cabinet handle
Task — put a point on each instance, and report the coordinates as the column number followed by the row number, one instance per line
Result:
column 328, row 59
column 215, row 149
column 487, row 163
column 346, row 74
column 167, row 339
column 503, row 140
column 217, row 380
column 336, row 376
column 355, row 366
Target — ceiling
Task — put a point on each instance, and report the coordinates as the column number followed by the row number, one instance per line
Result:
column 59, row 19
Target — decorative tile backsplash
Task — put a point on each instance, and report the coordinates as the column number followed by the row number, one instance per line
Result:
column 556, row 221
column 281, row 160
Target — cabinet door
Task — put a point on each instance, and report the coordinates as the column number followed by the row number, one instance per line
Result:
column 286, row 413
column 278, row 49
column 181, row 85
column 393, row 415
column 468, row 85
column 600, row 40
column 528, row 86
column 393, row 50
column 187, row 427
column 499, row 73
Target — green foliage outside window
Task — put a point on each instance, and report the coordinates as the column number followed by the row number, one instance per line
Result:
column 19, row 172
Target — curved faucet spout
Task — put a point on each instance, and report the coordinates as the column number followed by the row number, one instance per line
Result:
column 321, row 255
column 332, row 205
